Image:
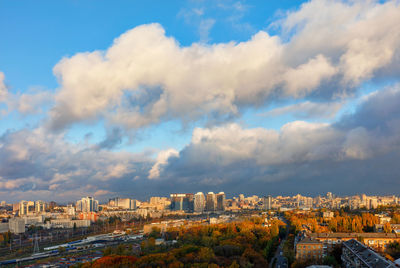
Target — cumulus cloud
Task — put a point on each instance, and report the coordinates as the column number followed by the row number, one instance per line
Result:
column 25, row 103
column 162, row 159
column 146, row 77
column 31, row 102
column 355, row 35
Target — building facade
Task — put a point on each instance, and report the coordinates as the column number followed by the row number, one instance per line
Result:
column 211, row 202
column 309, row 249
column 267, row 202
column 183, row 202
column 16, row 225
column 40, row 206
column 87, row 204
column 377, row 241
column 199, row 202
column 220, row 201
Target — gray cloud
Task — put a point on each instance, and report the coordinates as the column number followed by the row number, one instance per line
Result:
column 355, row 154
column 114, row 137
column 35, row 161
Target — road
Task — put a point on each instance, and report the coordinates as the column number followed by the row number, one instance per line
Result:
column 280, row 260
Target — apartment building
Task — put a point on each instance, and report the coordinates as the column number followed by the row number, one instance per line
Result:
column 357, row 255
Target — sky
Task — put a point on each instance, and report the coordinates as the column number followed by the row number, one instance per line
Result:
column 139, row 99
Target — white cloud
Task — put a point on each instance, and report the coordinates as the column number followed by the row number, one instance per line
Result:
column 25, row 103
column 193, row 80
column 146, row 77
column 303, row 79
column 359, row 36
column 31, row 102
column 162, row 159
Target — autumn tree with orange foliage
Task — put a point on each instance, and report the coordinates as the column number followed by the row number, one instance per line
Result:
column 112, row 261
column 240, row 244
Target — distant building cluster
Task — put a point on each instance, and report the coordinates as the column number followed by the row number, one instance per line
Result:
column 198, row 202
column 87, row 204
column 18, row 216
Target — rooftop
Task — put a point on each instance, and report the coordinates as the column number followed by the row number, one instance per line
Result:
column 353, row 235
column 369, row 257
column 308, row 240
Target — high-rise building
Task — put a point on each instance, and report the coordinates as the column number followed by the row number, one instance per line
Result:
column 40, row 206
column 123, row 203
column 199, row 202
column 182, row 202
column 211, row 202
column 87, row 204
column 308, row 202
column 71, row 210
column 160, row 203
column 221, row 201
column 373, row 203
column 26, row 207
column 23, row 207
column 241, row 197
column 267, row 202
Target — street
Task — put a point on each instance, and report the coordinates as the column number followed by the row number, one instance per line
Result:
column 279, row 259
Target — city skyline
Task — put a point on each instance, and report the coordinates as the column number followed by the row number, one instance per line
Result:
column 147, row 99
column 264, row 198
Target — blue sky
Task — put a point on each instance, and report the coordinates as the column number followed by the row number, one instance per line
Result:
column 38, row 35
column 154, row 88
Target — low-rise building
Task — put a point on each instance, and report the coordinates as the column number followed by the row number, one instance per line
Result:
column 380, row 227
column 4, row 227
column 309, row 249
column 33, row 220
column 16, row 225
column 67, row 223
column 327, row 214
column 377, row 241
column 356, row 255
column 162, row 226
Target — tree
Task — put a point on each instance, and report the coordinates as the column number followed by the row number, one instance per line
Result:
column 114, row 261
column 234, row 265
column 387, row 228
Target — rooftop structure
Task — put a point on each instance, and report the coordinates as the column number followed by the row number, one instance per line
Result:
column 355, row 254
